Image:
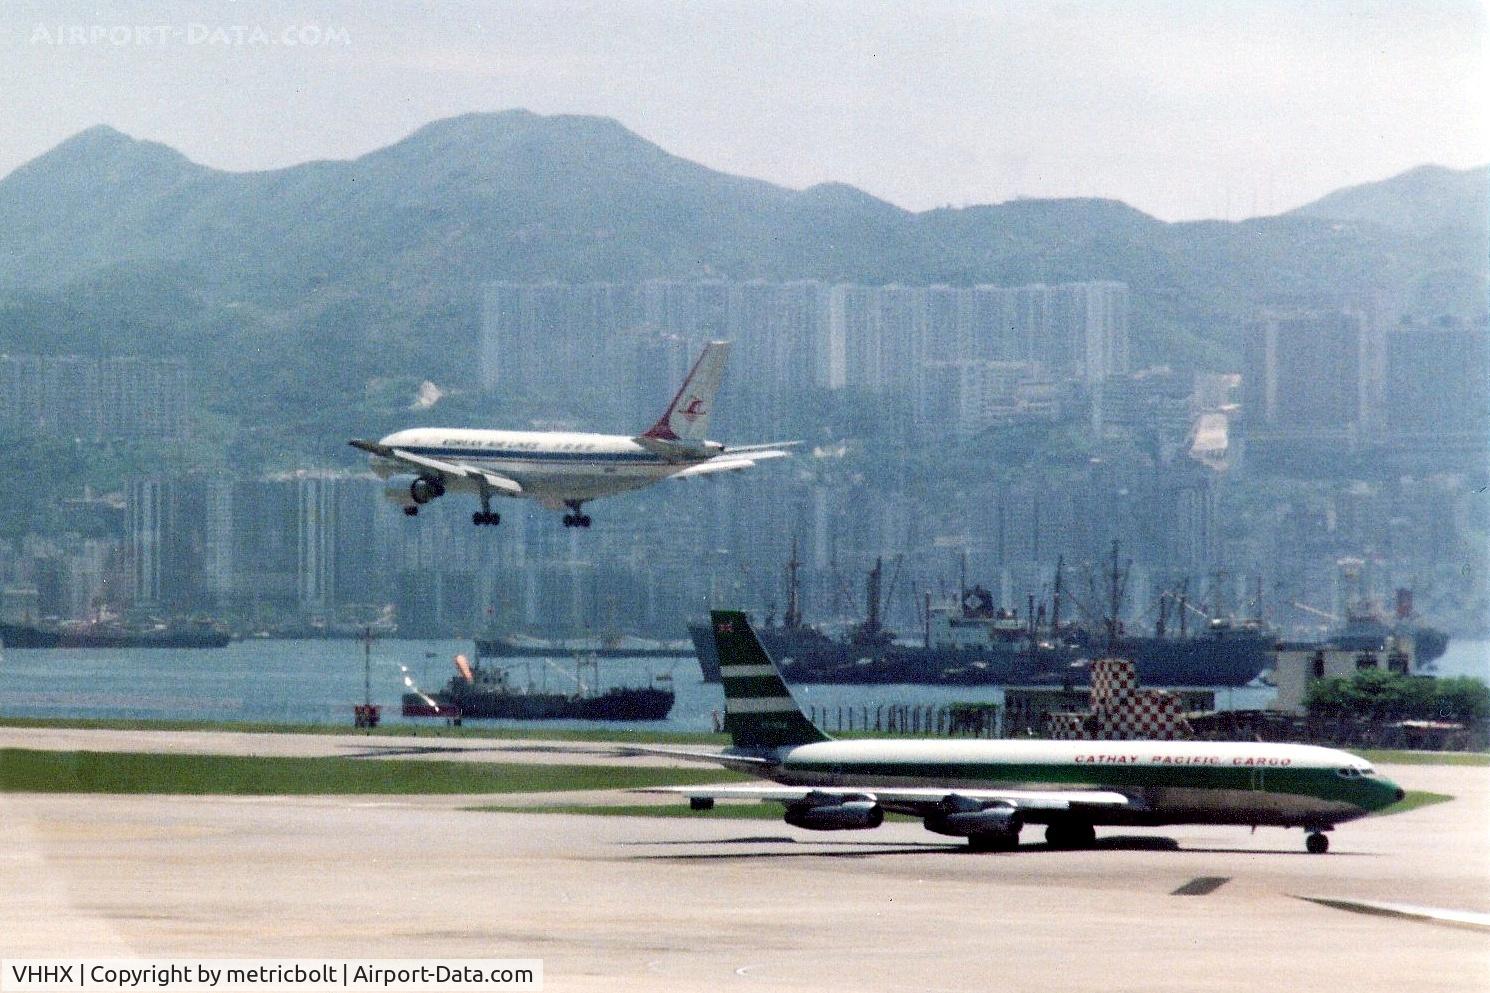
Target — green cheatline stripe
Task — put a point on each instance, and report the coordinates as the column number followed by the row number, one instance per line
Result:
column 1308, row 782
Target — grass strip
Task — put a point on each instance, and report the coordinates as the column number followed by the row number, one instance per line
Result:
column 1398, row 757
column 24, row 770
column 1413, row 800
column 433, row 730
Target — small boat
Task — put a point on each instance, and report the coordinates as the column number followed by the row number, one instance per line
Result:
column 489, row 691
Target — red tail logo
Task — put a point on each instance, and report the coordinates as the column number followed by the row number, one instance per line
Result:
column 694, row 410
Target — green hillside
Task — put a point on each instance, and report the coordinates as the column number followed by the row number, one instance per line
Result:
column 302, row 293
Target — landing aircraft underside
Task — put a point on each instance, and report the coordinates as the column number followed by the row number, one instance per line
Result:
column 563, row 470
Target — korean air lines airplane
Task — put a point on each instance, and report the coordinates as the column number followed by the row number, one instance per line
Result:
column 986, row 791
column 561, row 468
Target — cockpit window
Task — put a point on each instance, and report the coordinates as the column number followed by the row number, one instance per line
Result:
column 1347, row 772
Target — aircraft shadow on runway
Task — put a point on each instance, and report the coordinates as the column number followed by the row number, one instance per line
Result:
column 874, row 849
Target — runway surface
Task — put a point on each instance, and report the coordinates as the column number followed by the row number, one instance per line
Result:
column 678, row 904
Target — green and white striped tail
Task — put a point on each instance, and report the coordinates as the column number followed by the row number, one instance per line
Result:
column 759, row 711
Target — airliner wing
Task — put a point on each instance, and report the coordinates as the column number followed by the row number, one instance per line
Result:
column 453, row 470
column 726, row 463
column 910, row 800
column 501, row 484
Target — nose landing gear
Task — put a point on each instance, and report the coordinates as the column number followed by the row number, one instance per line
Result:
column 1317, row 843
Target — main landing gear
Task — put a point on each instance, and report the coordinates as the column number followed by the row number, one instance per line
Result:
column 993, row 841
column 486, row 516
column 576, row 519
column 1070, row 835
column 1317, row 843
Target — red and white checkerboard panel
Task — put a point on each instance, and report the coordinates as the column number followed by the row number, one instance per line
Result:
column 1113, row 681
column 1065, row 727
column 1121, row 711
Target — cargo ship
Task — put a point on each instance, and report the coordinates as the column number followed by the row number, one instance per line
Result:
column 498, row 646
column 1366, row 629
column 971, row 642
column 115, row 634
column 486, row 691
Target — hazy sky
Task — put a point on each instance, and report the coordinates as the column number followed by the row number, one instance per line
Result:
column 1183, row 108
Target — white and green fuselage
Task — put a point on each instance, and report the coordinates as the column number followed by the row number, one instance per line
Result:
column 1168, row 782
column 986, row 790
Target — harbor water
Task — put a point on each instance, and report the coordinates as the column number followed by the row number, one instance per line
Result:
column 317, row 682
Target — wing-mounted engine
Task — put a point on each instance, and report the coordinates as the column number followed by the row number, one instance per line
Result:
column 963, row 817
column 834, row 812
column 413, row 491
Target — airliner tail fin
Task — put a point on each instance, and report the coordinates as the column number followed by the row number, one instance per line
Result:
column 759, row 711
column 686, row 420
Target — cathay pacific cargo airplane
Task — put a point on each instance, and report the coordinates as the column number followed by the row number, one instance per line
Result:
column 986, row 791
column 561, row 468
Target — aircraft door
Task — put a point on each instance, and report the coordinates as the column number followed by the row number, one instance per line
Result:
column 1255, row 780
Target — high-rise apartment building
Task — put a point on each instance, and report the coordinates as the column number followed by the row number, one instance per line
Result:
column 1314, row 376
column 797, row 336
column 1438, row 383
column 72, row 396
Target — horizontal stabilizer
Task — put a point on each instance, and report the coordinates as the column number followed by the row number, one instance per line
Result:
column 754, row 764
column 724, row 463
column 711, row 467
column 766, row 446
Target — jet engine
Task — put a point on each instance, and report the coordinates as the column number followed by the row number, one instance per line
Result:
column 826, row 812
column 413, row 491
column 963, row 817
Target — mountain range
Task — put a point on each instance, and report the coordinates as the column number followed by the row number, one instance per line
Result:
column 288, row 284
